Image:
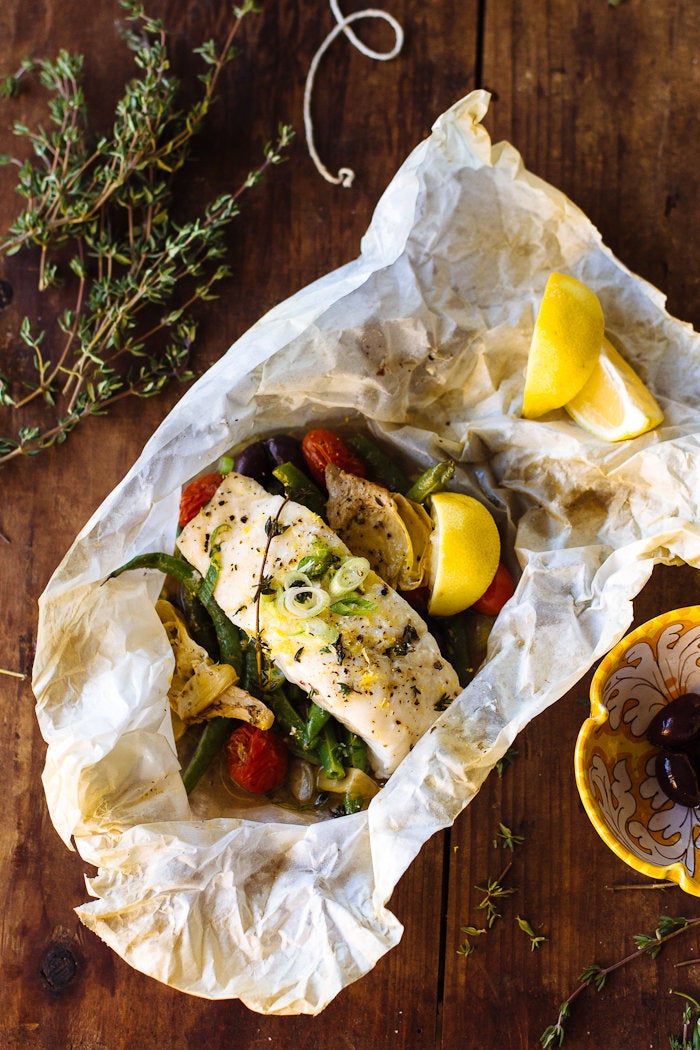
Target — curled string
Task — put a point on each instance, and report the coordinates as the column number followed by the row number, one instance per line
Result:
column 345, row 176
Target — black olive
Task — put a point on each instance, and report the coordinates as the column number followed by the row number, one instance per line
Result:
column 678, row 777
column 255, row 461
column 286, row 449
column 677, row 724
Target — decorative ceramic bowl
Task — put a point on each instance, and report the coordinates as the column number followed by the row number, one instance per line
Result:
column 614, row 762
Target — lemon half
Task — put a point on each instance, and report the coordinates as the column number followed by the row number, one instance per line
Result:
column 565, row 345
column 614, row 404
column 465, row 548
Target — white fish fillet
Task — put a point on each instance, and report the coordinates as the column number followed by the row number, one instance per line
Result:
column 385, row 679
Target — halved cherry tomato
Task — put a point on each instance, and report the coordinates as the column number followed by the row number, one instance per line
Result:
column 256, row 759
column 496, row 594
column 196, row 495
column 321, row 447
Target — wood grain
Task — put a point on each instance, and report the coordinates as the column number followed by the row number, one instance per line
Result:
column 600, row 101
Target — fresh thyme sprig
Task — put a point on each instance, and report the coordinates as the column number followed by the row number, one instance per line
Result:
column 690, row 1037
column 273, row 527
column 100, row 213
column 645, row 944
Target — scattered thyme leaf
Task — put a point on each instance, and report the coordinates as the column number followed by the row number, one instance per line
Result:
column 466, row 947
column 536, row 940
column 507, row 759
column 510, row 841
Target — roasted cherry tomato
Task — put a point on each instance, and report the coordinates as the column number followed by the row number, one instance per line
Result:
column 496, row 594
column 196, row 495
column 321, row 447
column 256, row 759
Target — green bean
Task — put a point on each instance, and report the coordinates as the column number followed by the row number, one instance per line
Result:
column 382, row 467
column 464, row 638
column 214, row 734
column 431, row 480
column 199, row 622
column 206, row 591
column 260, row 677
column 228, row 635
column 357, row 757
column 178, row 568
column 225, row 465
column 328, row 752
column 286, row 715
column 300, row 488
column 315, row 721
column 479, row 637
column 453, row 632
column 230, row 651
column 357, row 751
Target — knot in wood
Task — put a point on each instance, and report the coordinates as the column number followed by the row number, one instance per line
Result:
column 58, row 966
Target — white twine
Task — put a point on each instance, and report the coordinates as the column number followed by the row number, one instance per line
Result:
column 345, row 176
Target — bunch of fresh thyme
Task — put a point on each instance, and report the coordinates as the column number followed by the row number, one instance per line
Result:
column 99, row 214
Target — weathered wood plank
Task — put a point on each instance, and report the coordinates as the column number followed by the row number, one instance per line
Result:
column 293, row 228
column 599, row 102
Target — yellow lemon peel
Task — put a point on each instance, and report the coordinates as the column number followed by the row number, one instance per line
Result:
column 614, row 404
column 465, row 548
column 565, row 345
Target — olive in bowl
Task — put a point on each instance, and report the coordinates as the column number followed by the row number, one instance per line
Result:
column 637, row 757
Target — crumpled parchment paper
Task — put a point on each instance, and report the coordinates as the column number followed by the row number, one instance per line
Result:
column 426, row 334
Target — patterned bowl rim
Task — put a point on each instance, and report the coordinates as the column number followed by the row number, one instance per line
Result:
column 652, row 629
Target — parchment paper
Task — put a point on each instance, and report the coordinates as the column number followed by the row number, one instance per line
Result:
column 426, row 333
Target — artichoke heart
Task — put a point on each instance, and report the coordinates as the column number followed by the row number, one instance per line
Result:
column 389, row 530
column 201, row 689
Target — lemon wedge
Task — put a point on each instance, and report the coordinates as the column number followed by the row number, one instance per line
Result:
column 565, row 345
column 614, row 404
column 465, row 549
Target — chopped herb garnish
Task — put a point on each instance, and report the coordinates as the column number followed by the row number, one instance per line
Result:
column 405, row 644
column 352, row 605
column 443, row 703
column 319, row 561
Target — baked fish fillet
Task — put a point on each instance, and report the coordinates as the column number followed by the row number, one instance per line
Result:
column 383, row 676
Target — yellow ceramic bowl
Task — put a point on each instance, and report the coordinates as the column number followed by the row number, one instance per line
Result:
column 614, row 763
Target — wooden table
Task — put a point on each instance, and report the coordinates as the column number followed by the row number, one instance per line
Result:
column 602, row 102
